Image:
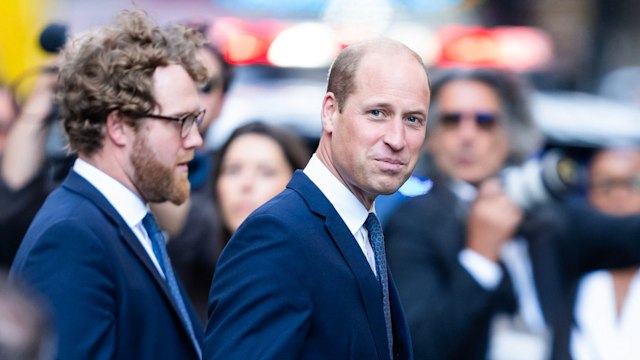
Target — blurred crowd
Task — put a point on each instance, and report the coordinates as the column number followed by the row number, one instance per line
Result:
column 479, row 273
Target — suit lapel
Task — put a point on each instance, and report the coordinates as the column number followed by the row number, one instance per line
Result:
column 77, row 184
column 351, row 252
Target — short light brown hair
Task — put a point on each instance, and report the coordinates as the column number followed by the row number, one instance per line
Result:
column 342, row 73
column 112, row 69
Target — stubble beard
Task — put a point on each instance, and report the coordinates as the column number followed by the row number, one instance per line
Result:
column 155, row 181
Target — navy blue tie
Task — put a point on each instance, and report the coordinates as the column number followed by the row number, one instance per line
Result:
column 159, row 247
column 376, row 238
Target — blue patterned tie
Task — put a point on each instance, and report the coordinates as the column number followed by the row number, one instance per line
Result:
column 159, row 246
column 376, row 238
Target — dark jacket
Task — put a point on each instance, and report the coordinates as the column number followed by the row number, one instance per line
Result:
column 292, row 283
column 449, row 313
column 107, row 299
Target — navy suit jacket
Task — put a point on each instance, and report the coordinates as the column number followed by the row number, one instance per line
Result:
column 107, row 299
column 292, row 283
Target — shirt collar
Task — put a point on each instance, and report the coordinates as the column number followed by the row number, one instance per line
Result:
column 350, row 209
column 130, row 207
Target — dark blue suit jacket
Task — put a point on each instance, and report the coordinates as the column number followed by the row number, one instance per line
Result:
column 292, row 283
column 107, row 298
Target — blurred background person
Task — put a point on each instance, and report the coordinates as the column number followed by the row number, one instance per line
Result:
column 608, row 301
column 26, row 171
column 26, row 332
column 254, row 165
column 467, row 239
column 8, row 114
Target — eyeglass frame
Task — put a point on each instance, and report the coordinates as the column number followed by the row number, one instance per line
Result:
column 198, row 116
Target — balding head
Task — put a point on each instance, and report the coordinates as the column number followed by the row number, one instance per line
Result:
column 343, row 70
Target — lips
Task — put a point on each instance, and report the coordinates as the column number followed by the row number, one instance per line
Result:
column 390, row 164
column 183, row 165
column 465, row 161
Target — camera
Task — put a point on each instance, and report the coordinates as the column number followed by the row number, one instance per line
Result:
column 548, row 177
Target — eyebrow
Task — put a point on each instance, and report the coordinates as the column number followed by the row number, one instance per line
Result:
column 183, row 113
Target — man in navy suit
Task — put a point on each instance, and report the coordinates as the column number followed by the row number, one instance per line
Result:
column 129, row 100
column 305, row 276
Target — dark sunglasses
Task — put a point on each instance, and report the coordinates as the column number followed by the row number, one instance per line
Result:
column 186, row 121
column 211, row 84
column 485, row 121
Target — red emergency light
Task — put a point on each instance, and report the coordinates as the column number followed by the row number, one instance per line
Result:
column 516, row 48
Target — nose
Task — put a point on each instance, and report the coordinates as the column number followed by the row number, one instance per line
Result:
column 395, row 135
column 193, row 139
column 467, row 129
column 246, row 181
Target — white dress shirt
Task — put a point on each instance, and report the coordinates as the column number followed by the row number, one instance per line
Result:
column 601, row 333
column 350, row 209
column 126, row 203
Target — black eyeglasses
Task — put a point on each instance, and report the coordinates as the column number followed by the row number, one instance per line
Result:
column 484, row 120
column 211, row 84
column 186, row 121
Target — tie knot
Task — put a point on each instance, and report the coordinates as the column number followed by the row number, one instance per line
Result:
column 372, row 224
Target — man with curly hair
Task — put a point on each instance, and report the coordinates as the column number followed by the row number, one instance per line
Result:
column 128, row 95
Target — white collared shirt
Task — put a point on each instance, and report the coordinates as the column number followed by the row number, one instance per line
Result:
column 600, row 331
column 126, row 203
column 350, row 209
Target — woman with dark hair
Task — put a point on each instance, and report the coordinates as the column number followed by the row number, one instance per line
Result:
column 254, row 165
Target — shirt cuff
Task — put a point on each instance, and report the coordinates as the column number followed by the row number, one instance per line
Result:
column 487, row 273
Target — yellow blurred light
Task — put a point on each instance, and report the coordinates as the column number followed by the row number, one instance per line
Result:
column 20, row 26
column 304, row 45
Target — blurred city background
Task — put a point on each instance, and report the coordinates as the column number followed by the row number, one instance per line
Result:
column 579, row 55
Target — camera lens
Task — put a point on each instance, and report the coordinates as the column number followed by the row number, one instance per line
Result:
column 541, row 179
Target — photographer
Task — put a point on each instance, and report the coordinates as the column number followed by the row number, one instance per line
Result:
column 478, row 276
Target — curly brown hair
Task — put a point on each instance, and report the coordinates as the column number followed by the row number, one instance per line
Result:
column 112, row 69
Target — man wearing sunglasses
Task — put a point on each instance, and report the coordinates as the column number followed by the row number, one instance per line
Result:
column 128, row 96
column 478, row 277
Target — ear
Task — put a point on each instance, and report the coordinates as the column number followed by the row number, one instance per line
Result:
column 329, row 112
column 118, row 132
